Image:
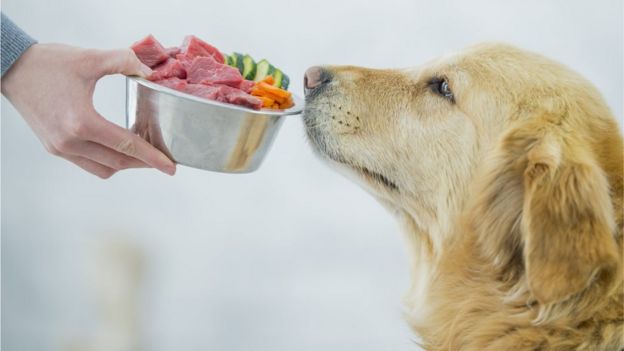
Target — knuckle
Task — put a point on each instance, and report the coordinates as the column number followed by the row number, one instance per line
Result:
column 63, row 146
column 121, row 163
column 78, row 128
column 127, row 146
column 51, row 149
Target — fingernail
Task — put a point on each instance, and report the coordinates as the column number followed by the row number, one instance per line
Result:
column 170, row 170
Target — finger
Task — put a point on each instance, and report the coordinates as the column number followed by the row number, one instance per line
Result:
column 91, row 166
column 123, row 61
column 121, row 140
column 106, row 156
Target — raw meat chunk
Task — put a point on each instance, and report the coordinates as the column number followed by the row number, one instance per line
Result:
column 246, row 85
column 205, row 70
column 149, row 51
column 244, row 99
column 168, row 69
column 239, row 97
column 193, row 47
column 186, row 61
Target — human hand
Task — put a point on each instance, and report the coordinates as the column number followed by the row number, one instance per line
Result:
column 52, row 87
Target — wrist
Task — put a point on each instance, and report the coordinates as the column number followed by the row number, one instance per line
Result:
column 16, row 70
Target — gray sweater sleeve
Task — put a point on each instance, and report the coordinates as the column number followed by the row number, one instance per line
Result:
column 14, row 43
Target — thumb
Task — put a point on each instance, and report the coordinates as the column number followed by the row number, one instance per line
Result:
column 124, row 61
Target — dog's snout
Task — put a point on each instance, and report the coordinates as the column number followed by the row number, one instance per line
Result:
column 315, row 77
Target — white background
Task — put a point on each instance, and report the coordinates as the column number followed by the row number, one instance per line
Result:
column 292, row 257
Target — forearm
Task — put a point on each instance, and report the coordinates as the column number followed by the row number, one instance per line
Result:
column 14, row 43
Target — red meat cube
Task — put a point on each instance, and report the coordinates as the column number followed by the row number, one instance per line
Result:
column 149, row 51
column 186, row 61
column 246, row 85
column 224, row 93
column 168, row 69
column 244, row 99
column 239, row 97
column 193, row 47
column 205, row 70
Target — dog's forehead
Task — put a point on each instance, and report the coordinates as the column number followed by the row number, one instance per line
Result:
column 446, row 67
column 476, row 57
column 448, row 64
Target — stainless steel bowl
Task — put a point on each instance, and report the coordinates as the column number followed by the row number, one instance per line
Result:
column 202, row 133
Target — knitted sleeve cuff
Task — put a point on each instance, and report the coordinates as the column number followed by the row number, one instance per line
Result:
column 14, row 43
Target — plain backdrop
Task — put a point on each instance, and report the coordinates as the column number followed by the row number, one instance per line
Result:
column 291, row 257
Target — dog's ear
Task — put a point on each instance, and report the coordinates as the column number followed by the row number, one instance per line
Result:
column 567, row 220
column 542, row 210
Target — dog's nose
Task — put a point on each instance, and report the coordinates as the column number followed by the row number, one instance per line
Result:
column 315, row 77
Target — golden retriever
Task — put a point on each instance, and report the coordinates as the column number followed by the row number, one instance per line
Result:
column 506, row 171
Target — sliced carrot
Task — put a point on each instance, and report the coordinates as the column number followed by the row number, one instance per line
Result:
column 273, row 90
column 266, row 102
column 272, row 96
column 278, row 99
column 288, row 104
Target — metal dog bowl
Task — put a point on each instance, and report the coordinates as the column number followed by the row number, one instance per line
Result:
column 202, row 133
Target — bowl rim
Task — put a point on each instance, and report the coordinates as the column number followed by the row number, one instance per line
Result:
column 297, row 108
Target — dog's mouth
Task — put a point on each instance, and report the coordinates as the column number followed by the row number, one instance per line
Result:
column 379, row 178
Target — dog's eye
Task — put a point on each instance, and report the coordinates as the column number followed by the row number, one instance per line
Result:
column 441, row 87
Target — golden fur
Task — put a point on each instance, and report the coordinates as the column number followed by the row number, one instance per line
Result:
column 510, row 195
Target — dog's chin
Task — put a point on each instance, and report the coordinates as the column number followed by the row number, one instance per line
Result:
column 375, row 183
column 345, row 165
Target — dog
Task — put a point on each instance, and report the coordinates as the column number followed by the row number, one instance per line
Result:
column 505, row 170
